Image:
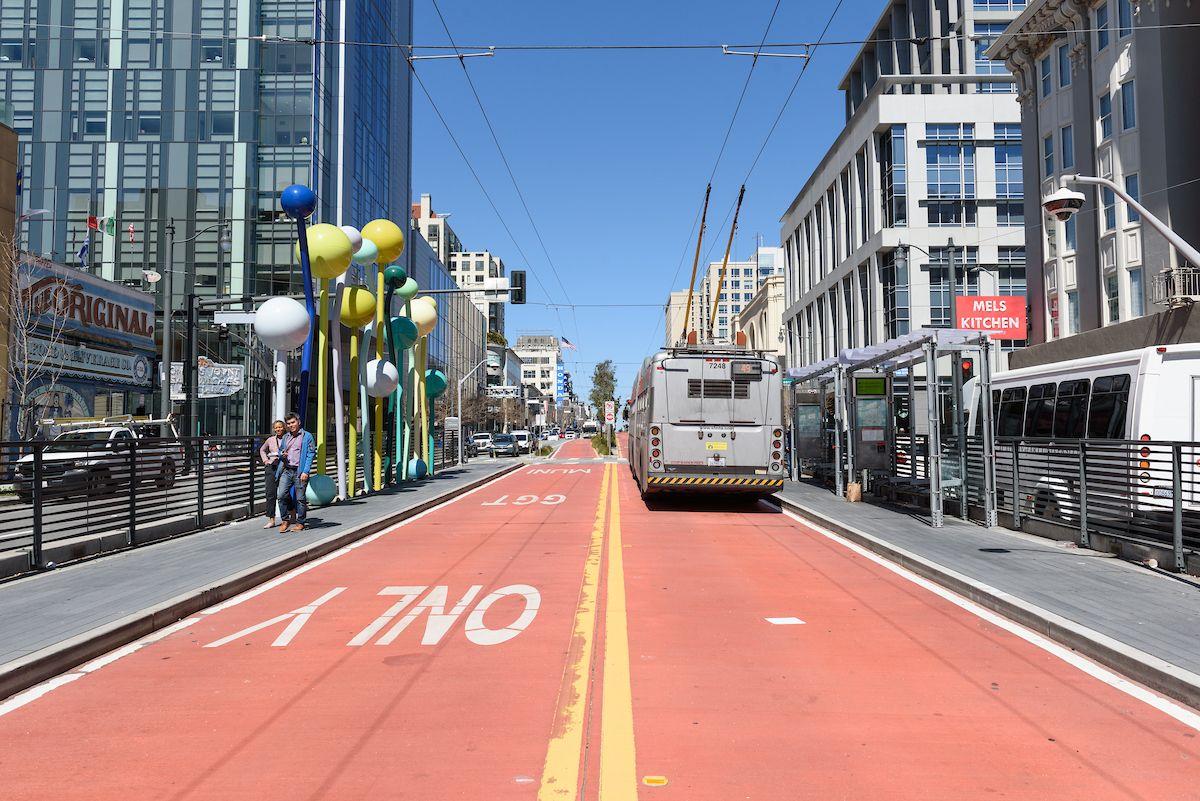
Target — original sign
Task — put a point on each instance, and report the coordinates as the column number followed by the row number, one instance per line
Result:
column 65, row 299
column 85, row 362
column 1002, row 316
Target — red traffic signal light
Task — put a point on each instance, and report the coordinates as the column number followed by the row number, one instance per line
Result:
column 968, row 368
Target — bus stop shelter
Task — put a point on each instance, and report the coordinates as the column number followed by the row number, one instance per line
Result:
column 922, row 346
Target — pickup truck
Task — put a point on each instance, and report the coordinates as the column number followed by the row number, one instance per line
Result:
column 93, row 459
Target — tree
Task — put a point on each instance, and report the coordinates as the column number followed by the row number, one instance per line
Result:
column 604, row 385
column 34, row 337
column 496, row 338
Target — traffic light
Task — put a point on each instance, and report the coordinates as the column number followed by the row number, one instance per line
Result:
column 516, row 287
column 968, row 369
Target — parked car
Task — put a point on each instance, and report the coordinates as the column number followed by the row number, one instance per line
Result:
column 524, row 439
column 505, row 445
column 483, row 442
column 93, row 458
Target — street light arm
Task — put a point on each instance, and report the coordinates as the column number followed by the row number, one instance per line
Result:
column 1185, row 250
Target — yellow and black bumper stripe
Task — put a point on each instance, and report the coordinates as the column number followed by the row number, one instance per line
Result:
column 715, row 481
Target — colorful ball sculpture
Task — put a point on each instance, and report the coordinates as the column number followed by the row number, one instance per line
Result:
column 298, row 201
column 329, row 250
column 358, row 306
column 387, row 236
column 281, row 324
column 321, row 490
column 424, row 315
column 382, row 378
column 417, row 468
column 395, row 275
column 405, row 332
column 435, row 383
column 355, row 236
column 367, row 253
column 408, row 289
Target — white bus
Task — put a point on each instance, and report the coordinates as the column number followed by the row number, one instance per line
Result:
column 1149, row 395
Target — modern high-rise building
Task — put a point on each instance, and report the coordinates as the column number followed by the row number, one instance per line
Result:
column 201, row 111
column 1106, row 89
column 472, row 269
column 435, row 228
column 928, row 168
column 742, row 280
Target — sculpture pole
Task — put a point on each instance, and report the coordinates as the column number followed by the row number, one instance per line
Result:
column 322, row 383
column 355, row 373
column 339, row 418
column 379, row 336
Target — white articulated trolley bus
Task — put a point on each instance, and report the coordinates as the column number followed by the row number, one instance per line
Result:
column 707, row 418
column 1149, row 396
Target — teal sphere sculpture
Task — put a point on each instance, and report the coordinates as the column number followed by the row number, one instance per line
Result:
column 321, row 490
column 395, row 275
column 367, row 252
column 417, row 469
column 404, row 332
column 408, row 289
column 435, row 383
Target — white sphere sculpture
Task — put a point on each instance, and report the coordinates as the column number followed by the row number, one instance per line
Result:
column 382, row 378
column 281, row 324
column 356, row 237
column 424, row 315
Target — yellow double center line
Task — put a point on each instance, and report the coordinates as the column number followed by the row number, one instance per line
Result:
column 565, row 752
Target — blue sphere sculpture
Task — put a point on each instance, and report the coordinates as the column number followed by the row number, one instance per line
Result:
column 417, row 469
column 298, row 201
column 320, row 490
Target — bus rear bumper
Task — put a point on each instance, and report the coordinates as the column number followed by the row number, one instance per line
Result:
column 691, row 481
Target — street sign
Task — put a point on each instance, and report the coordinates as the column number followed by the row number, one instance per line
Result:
column 609, row 412
column 233, row 317
column 451, row 424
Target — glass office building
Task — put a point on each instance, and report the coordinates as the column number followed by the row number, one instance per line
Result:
column 201, row 111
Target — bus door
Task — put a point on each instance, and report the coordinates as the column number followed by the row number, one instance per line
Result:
column 873, row 422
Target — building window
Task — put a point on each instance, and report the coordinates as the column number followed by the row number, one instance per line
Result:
column 893, row 174
column 1131, row 189
column 1137, row 303
column 1109, row 199
column 1128, row 107
column 1112, row 298
column 1102, row 31
column 985, row 34
column 1047, row 77
column 1066, row 144
column 1124, row 18
column 1064, row 66
column 1011, row 271
column 1048, row 156
column 1010, row 212
column 1071, row 235
column 1105, row 115
column 894, row 278
column 940, row 313
column 999, row 5
column 950, row 174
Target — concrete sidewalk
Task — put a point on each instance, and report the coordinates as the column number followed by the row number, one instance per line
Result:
column 51, row 622
column 1143, row 624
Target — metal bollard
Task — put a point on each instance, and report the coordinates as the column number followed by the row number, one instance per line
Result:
column 1084, row 538
column 35, row 555
column 132, row 489
column 200, row 484
column 1177, row 503
column 1016, row 484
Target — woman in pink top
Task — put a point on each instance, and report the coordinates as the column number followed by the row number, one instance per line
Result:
column 268, row 454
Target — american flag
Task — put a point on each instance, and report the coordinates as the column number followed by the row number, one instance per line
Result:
column 567, row 344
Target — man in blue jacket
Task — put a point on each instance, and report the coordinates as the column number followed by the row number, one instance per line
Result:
column 296, row 455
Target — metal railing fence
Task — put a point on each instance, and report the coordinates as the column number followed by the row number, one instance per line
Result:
column 132, row 492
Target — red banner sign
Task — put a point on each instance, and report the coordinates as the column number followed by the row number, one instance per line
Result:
column 1003, row 316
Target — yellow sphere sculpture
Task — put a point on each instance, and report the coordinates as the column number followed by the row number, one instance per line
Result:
column 358, row 306
column 329, row 250
column 424, row 315
column 430, row 299
column 388, row 237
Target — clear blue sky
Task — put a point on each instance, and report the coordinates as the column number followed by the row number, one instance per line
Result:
column 612, row 150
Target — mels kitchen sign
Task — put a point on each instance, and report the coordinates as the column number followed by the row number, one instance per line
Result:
column 1002, row 316
column 87, row 307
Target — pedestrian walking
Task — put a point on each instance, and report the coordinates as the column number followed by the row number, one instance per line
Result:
column 297, row 453
column 268, row 454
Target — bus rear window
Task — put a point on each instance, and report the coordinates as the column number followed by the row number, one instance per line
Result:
column 1070, row 411
column 1039, row 413
column 1110, row 402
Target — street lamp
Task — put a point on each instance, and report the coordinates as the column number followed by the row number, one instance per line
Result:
column 164, row 370
column 1065, row 203
column 952, row 250
column 462, row 381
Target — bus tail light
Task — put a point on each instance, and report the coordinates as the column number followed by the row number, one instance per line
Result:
column 777, row 433
column 656, row 453
column 1144, row 477
column 775, row 467
column 655, row 431
column 1144, row 437
column 1143, row 465
column 1144, row 452
column 657, row 465
column 655, row 441
column 776, row 444
column 776, row 455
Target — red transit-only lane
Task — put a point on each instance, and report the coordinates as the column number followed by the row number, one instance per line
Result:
column 551, row 636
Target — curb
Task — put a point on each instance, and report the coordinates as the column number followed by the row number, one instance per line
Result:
column 1157, row 674
column 21, row 674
